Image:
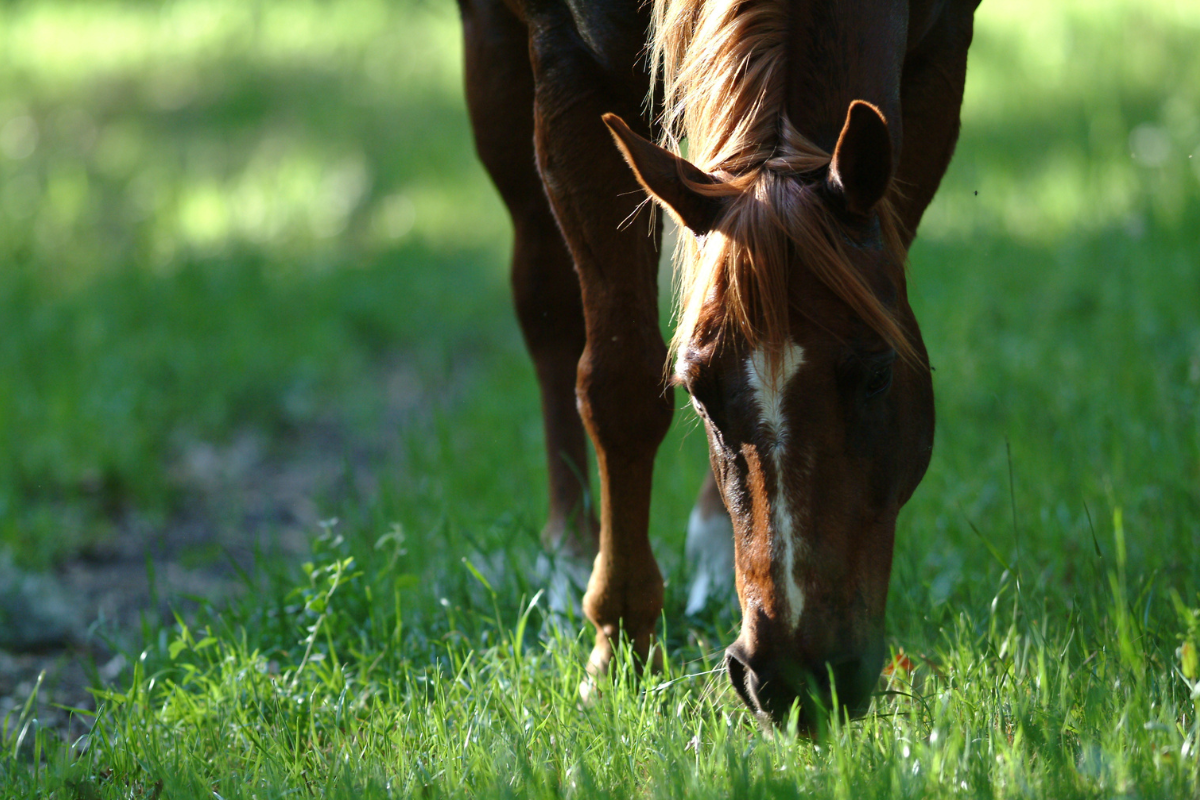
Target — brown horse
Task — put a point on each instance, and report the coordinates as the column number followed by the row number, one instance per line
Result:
column 817, row 133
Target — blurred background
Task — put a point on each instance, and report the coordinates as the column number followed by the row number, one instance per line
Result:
column 252, row 278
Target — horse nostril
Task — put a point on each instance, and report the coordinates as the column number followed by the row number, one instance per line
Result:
column 738, row 670
column 770, row 687
column 761, row 688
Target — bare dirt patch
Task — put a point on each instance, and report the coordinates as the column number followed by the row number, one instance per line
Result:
column 246, row 499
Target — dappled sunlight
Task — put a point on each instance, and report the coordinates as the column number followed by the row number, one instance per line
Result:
column 56, row 44
column 141, row 133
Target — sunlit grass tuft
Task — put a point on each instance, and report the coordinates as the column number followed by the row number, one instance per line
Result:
column 1013, row 699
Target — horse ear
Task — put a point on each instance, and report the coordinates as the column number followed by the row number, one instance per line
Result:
column 862, row 161
column 668, row 178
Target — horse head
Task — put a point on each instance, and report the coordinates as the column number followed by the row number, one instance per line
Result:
column 803, row 358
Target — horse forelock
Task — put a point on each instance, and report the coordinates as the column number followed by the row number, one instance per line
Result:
column 723, row 69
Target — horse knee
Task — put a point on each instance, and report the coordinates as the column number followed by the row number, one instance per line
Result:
column 624, row 400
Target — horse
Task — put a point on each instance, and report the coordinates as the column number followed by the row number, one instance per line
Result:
column 816, row 134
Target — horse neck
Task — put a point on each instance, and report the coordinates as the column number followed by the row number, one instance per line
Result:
column 841, row 51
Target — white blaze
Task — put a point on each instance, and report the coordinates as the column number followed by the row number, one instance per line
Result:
column 770, row 390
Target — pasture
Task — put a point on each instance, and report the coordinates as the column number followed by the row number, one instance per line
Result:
column 254, row 318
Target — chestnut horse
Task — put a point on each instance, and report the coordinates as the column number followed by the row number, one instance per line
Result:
column 817, row 132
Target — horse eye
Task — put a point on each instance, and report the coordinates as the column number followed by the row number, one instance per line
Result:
column 879, row 382
column 708, row 398
column 704, row 388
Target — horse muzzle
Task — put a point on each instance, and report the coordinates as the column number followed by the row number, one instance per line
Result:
column 772, row 686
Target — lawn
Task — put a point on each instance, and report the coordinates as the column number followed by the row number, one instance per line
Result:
column 263, row 221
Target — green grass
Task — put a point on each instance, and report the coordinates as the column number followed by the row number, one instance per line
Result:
column 221, row 217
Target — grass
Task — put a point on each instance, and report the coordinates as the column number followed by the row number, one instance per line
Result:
column 226, row 216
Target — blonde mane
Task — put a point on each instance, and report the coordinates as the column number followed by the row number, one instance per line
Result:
column 723, row 67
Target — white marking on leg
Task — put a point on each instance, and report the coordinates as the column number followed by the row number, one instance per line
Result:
column 709, row 553
column 770, row 388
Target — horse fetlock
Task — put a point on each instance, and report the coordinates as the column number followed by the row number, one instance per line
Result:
column 628, row 596
column 625, row 613
column 633, row 621
column 647, row 653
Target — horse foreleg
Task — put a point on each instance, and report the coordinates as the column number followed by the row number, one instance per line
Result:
column 499, row 90
column 621, row 391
